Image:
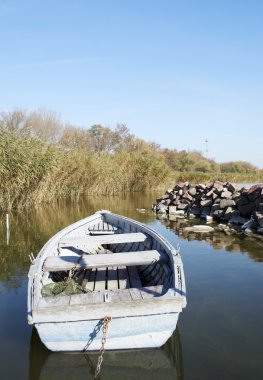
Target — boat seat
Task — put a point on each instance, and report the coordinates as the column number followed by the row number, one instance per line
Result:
column 78, row 241
column 64, row 263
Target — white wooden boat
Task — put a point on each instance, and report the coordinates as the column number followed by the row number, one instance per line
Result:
column 130, row 273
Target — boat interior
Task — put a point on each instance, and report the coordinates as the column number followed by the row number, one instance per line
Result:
column 109, row 256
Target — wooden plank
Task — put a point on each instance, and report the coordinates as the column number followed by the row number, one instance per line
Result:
column 100, row 283
column 77, row 241
column 101, row 232
column 123, row 278
column 61, row 263
column 91, row 280
column 135, row 280
column 151, row 306
column 88, row 298
column 54, row 301
column 112, row 282
column 86, row 277
column 120, row 296
column 135, row 294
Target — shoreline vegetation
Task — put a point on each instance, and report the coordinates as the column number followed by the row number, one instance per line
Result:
column 43, row 160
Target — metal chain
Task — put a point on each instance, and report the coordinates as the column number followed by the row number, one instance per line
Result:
column 105, row 327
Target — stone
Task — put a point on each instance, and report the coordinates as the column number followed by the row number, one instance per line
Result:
column 177, row 200
column 224, row 203
column 254, row 188
column 246, row 210
column 233, row 187
column 206, row 211
column 178, row 213
column 254, row 195
column 248, row 231
column 259, row 219
column 242, row 201
column 199, row 228
column 226, row 194
column 208, row 218
column 196, row 210
column 237, row 219
column 215, row 196
column 210, row 193
column 162, row 216
column 248, row 225
column 215, row 206
column 182, row 206
column 172, row 196
column 228, row 213
column 172, row 209
column 161, row 209
column 186, row 201
column 175, row 217
column 235, row 195
column 187, row 196
column 223, row 227
column 218, row 185
column 201, row 186
column 218, row 214
column 206, row 202
column 217, row 200
column 260, row 231
column 192, row 191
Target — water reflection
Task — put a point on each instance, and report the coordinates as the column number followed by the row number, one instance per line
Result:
column 235, row 242
column 148, row 364
column 30, row 230
column 220, row 328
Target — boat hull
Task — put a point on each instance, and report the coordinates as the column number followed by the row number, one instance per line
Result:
column 123, row 333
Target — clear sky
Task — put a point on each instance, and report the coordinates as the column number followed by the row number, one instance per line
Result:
column 175, row 72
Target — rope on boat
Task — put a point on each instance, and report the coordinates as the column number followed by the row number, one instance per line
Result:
column 106, row 322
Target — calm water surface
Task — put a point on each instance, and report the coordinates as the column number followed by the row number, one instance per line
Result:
column 219, row 334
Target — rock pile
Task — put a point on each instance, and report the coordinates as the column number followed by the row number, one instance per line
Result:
column 221, row 201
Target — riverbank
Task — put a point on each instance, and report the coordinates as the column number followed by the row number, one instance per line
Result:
column 220, row 201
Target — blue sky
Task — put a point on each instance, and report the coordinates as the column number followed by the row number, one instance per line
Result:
column 176, row 72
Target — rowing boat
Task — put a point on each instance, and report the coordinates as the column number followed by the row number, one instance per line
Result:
column 125, row 274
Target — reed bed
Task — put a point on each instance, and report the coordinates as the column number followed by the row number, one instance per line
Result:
column 33, row 172
column 196, row 177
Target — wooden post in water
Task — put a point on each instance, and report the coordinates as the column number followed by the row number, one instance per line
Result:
column 7, row 229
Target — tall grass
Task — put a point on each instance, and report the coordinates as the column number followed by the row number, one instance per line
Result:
column 23, row 165
column 32, row 172
column 81, row 173
column 197, row 177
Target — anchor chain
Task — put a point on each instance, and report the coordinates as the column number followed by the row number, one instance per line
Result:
column 105, row 328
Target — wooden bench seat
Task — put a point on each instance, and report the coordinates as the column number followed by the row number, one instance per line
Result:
column 77, row 241
column 63, row 263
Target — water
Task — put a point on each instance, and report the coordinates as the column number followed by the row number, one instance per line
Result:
column 219, row 334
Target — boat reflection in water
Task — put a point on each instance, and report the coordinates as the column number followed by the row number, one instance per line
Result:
column 147, row 364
